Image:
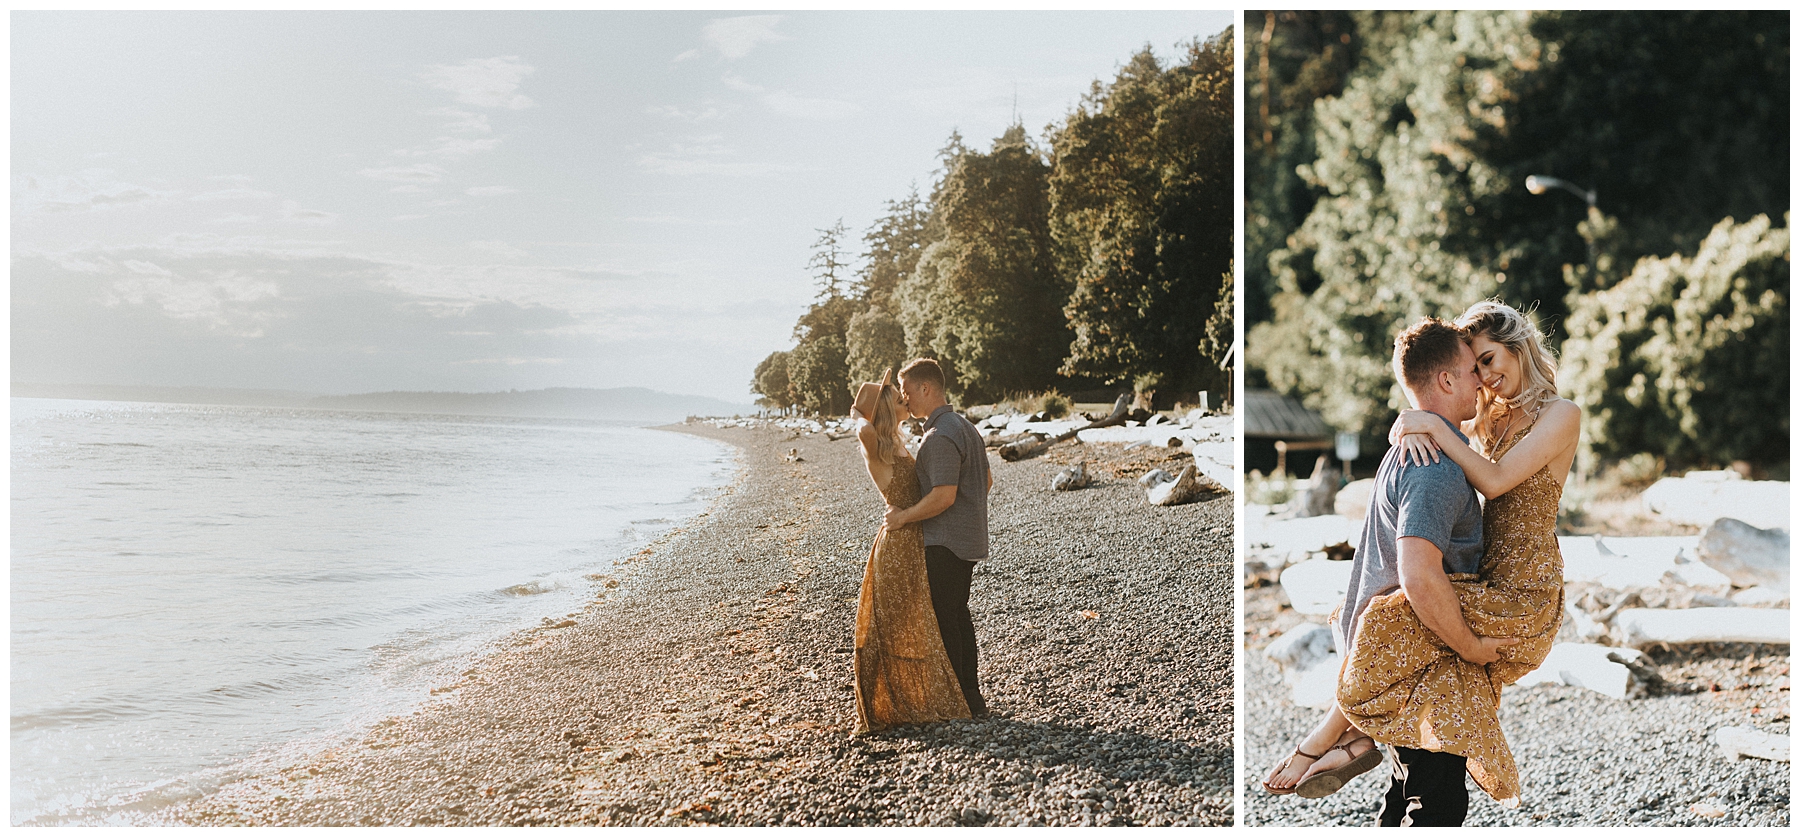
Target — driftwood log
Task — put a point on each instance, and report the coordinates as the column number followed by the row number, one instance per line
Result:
column 1185, row 488
column 1028, row 448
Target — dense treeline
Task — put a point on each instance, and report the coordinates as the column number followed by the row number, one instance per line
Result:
column 1386, row 157
column 1100, row 256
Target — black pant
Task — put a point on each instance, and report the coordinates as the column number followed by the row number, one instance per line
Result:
column 1427, row 789
column 949, row 578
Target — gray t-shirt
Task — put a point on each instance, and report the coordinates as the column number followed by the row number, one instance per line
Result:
column 953, row 453
column 1432, row 501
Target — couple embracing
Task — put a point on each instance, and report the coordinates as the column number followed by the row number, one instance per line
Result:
column 1449, row 601
column 915, row 643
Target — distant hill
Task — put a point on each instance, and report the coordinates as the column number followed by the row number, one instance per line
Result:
column 623, row 404
column 619, row 404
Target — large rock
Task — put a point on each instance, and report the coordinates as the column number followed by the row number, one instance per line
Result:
column 1749, row 742
column 1587, row 666
column 1316, row 587
column 1747, row 555
column 1701, row 497
column 1353, row 499
column 1642, row 627
column 1317, row 688
column 1761, row 597
column 1302, row 647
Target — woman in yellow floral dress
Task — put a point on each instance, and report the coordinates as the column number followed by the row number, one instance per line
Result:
column 903, row 675
column 1400, row 682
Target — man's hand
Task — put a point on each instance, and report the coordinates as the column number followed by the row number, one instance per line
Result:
column 933, row 505
column 1486, row 649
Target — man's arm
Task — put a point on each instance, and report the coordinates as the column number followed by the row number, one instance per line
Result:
column 933, row 504
column 1434, row 599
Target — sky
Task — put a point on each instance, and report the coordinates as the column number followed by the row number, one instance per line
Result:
column 357, row 202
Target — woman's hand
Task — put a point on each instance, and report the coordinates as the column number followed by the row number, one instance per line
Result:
column 1487, row 649
column 1412, row 433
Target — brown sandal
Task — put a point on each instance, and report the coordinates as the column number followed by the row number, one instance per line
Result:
column 1284, row 763
column 1327, row 782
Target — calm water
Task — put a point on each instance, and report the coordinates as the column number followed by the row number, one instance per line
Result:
column 198, row 592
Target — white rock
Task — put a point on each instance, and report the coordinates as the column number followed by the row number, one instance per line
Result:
column 1317, row 688
column 1305, row 534
column 1746, row 554
column 1620, row 563
column 1353, row 499
column 1217, row 460
column 1749, row 742
column 1639, row 627
column 1702, row 497
column 1696, row 574
column 1302, row 647
column 1317, row 586
column 1157, row 476
column 1760, row 597
column 1585, row 666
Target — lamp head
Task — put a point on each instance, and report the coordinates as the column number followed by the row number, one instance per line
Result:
column 1534, row 185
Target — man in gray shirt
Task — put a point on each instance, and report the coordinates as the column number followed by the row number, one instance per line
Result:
column 953, row 485
column 1423, row 524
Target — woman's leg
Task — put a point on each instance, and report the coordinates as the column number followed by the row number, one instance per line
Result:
column 1318, row 743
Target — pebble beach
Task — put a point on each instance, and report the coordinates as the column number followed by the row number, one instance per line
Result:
column 1585, row 758
column 709, row 679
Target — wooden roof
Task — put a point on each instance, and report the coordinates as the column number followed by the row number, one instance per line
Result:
column 1270, row 415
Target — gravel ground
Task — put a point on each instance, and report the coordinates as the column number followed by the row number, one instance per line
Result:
column 1584, row 758
column 711, row 681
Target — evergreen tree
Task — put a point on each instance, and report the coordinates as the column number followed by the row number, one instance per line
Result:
column 985, row 297
column 771, row 381
column 1142, row 201
column 875, row 343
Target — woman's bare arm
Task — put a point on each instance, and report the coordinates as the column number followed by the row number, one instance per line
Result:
column 879, row 472
column 1555, row 433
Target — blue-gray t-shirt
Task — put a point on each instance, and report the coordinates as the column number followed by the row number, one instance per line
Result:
column 953, row 453
column 1432, row 501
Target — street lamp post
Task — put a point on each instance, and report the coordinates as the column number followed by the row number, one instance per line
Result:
column 1537, row 184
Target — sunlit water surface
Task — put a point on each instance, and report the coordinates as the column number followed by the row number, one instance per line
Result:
column 202, row 592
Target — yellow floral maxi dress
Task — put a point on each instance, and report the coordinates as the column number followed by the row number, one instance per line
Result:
column 903, row 675
column 1404, row 686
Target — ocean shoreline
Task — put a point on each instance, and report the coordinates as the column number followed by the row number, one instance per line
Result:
column 732, row 637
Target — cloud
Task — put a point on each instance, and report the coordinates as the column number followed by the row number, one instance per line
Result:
column 499, row 248
column 463, row 121
column 236, row 218
column 451, row 147
column 483, row 82
column 409, row 217
column 488, row 191
column 93, row 189
column 291, row 210
column 734, row 37
column 709, row 111
column 790, row 104
column 707, row 156
column 232, row 195
column 420, row 173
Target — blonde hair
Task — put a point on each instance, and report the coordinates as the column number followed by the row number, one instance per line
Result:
column 1505, row 325
column 886, row 420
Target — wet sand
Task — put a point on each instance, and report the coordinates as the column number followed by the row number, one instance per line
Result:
column 709, row 681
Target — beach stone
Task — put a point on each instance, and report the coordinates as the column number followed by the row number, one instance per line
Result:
column 1760, row 597
column 1301, row 647
column 1701, row 497
column 1155, row 477
column 1586, row 666
column 1352, row 500
column 1749, row 742
column 1640, row 627
column 1315, row 587
column 1317, row 687
column 1749, row 556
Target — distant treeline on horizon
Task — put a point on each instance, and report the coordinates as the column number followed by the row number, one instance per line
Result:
column 1101, row 257
column 617, row 404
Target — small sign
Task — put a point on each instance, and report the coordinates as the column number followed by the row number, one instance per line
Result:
column 1346, row 447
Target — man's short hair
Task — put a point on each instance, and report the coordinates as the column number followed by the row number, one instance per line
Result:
column 924, row 370
column 1424, row 349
